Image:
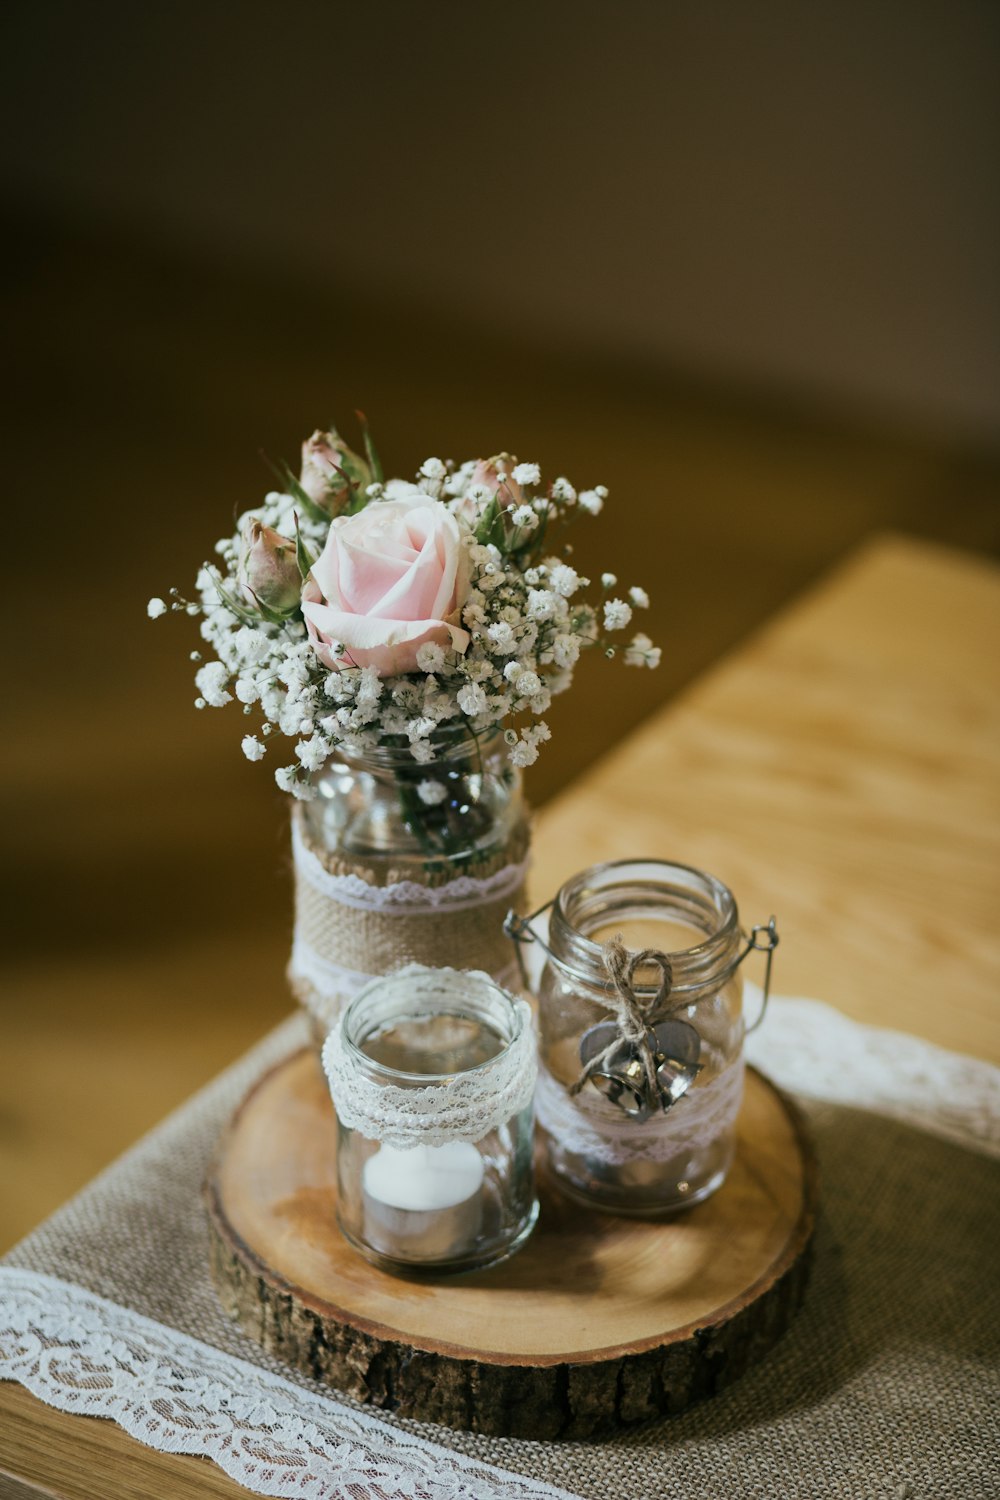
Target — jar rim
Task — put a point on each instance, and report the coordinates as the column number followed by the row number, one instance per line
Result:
column 444, row 978
column 449, row 738
column 709, row 960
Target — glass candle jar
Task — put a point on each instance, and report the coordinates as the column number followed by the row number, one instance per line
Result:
column 432, row 1073
column 641, row 1063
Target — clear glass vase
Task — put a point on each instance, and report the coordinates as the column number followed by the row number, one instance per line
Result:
column 398, row 862
column 430, row 822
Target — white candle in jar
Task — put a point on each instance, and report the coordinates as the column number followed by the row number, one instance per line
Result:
column 423, row 1203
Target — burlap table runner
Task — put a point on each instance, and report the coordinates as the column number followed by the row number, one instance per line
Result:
column 886, row 1386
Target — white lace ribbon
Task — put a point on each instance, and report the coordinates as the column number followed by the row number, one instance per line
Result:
column 404, row 897
column 464, row 1107
column 590, row 1125
column 333, row 986
column 84, row 1355
column 809, row 1048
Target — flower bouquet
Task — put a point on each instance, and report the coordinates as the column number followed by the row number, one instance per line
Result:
column 407, row 637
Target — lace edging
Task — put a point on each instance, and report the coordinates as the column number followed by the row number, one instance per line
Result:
column 466, row 1108
column 810, row 1048
column 587, row 1125
column 404, row 897
column 84, row 1355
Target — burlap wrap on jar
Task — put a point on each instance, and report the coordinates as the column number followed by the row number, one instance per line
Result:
column 356, row 919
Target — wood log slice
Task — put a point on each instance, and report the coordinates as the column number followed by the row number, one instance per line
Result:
column 597, row 1322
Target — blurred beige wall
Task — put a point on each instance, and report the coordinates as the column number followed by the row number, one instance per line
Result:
column 796, row 196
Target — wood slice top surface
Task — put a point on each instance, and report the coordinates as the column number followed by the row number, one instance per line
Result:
column 587, row 1286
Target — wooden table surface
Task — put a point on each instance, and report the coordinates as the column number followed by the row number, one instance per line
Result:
column 840, row 770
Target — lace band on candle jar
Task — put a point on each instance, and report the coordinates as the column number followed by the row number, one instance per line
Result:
column 432, row 1073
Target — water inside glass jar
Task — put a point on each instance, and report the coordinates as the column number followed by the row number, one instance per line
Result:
column 437, row 1044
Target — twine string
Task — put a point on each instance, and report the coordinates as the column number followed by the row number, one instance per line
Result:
column 635, row 1013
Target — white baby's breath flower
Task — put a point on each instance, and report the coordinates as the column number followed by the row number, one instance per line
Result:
column 289, row 780
column 639, row 598
column 246, row 690
column 314, row 752
column 431, row 793
column 591, row 502
column 543, row 604
column 471, row 699
column 290, row 717
column 210, row 680
column 523, row 754
column 155, row 608
column 369, row 691
column 525, row 518
column 430, row 657
column 420, row 728
column 526, row 474
column 616, row 614
column 608, row 580
column 401, row 489
column 500, row 705
column 528, row 684
column 457, row 483
column 565, row 580
column 564, row 491
column 432, row 468
column 422, row 751
column 565, row 650
column 252, row 747
column 502, row 636
column 640, row 652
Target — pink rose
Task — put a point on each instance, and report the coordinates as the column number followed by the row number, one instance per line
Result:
column 494, row 475
column 267, row 569
column 389, row 579
column 327, row 464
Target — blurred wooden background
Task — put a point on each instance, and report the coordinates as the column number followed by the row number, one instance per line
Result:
column 150, row 360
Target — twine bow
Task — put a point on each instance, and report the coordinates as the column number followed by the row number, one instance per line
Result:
column 635, row 1013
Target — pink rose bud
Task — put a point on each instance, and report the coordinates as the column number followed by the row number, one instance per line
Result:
column 329, row 468
column 494, row 474
column 268, row 570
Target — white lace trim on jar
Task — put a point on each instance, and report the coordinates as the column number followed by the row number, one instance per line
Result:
column 465, row 1108
column 405, row 897
column 84, row 1355
column 333, row 986
column 590, row 1125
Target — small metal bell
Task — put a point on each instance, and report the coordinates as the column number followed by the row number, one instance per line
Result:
column 678, row 1047
column 622, row 1078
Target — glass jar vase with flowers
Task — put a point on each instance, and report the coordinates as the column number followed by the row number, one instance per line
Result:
column 407, row 637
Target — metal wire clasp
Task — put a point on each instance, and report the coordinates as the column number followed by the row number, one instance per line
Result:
column 763, row 938
column 520, row 931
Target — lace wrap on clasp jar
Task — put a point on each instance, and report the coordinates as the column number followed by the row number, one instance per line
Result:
column 641, row 1033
